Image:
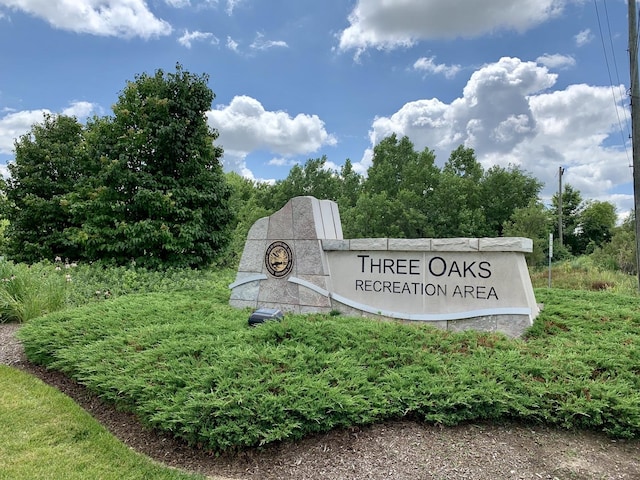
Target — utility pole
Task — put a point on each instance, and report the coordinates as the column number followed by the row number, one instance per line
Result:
column 560, row 172
column 635, row 121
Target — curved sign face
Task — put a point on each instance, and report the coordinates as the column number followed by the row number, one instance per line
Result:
column 278, row 259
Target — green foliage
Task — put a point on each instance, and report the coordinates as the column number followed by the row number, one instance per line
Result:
column 193, row 367
column 585, row 273
column 50, row 162
column 98, row 282
column 502, row 192
column 160, row 198
column 534, row 222
column 597, row 221
column 247, row 205
column 313, row 179
column 27, row 292
column 620, row 252
column 46, row 435
column 145, row 185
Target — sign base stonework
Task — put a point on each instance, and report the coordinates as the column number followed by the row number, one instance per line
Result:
column 297, row 261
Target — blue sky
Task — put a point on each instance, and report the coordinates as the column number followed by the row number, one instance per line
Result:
column 535, row 83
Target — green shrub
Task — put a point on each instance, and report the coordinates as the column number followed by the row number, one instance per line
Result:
column 27, row 292
column 191, row 366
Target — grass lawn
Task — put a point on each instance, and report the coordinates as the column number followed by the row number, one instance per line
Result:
column 45, row 435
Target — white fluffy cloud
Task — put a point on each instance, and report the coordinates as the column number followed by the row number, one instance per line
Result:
column 118, row 18
column 245, row 126
column 15, row 124
column 508, row 115
column 387, row 25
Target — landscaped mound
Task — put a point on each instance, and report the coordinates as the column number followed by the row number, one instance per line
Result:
column 190, row 365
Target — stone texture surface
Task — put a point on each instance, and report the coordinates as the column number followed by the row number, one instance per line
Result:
column 252, row 259
column 512, row 325
column 313, row 231
column 281, row 224
column 328, row 245
column 410, row 244
column 506, row 244
column 454, row 244
column 483, row 324
column 368, row 244
column 309, row 258
column 259, row 229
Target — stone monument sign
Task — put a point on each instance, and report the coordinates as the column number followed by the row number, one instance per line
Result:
column 296, row 260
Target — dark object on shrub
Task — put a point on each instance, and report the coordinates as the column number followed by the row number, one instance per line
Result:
column 600, row 285
column 263, row 314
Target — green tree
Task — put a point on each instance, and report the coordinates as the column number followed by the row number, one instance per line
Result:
column 502, row 191
column 455, row 202
column 50, row 162
column 375, row 215
column 350, row 186
column 620, row 252
column 535, row 222
column 160, row 198
column 314, row 179
column 400, row 183
column 396, row 166
column 571, row 208
column 596, row 223
column 247, row 207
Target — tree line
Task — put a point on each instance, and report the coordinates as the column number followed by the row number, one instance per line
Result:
column 146, row 186
column 406, row 195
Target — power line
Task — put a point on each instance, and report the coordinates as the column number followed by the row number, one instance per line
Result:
column 613, row 93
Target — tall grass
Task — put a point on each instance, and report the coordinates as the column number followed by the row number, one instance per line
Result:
column 27, row 292
column 582, row 274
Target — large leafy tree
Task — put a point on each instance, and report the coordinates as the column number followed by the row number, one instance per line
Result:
column 597, row 223
column 50, row 163
column 400, row 184
column 456, row 200
column 160, row 198
column 502, row 191
column 397, row 166
column 533, row 221
column 313, row 178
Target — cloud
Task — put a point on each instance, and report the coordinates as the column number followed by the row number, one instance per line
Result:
column 583, row 38
column 261, row 44
column 188, row 37
column 387, row 25
column 282, row 162
column 178, row 3
column 231, row 5
column 556, row 60
column 116, row 18
column 428, row 65
column 232, row 44
column 508, row 114
column 82, row 110
column 245, row 126
column 15, row 124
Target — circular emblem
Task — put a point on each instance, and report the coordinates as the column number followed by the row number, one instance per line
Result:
column 279, row 259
